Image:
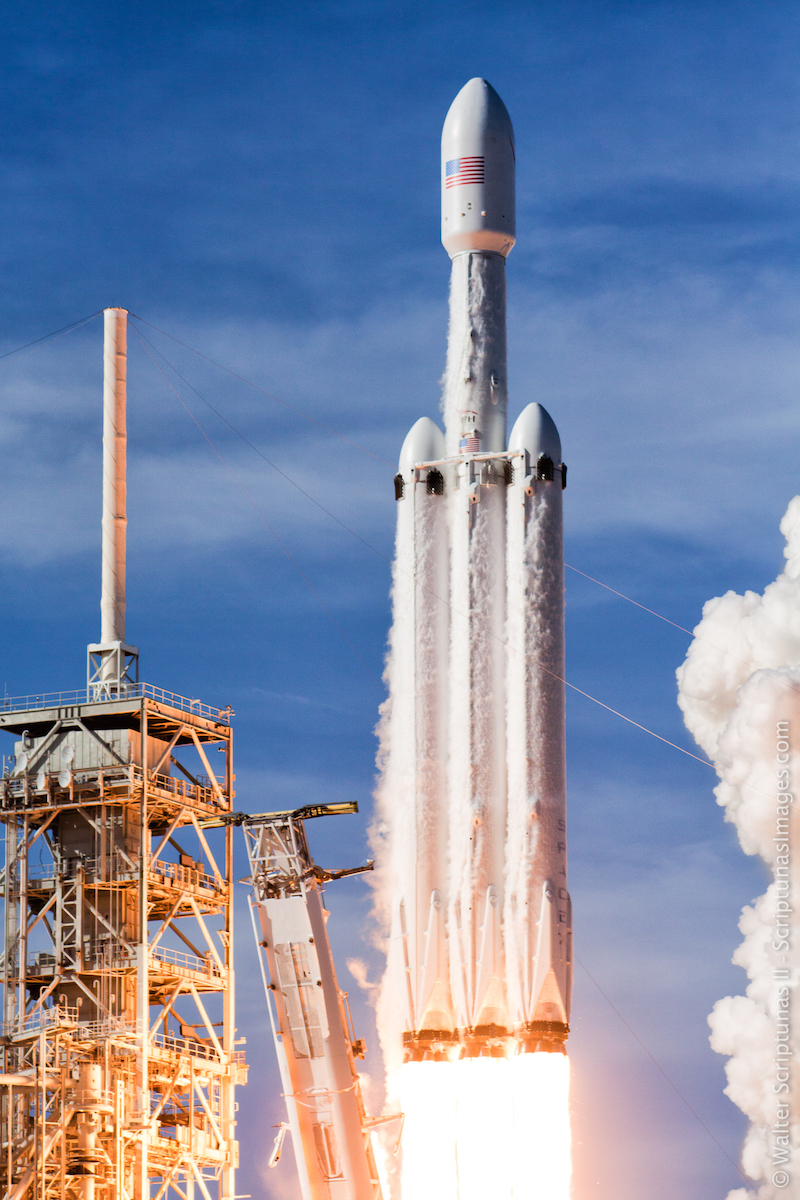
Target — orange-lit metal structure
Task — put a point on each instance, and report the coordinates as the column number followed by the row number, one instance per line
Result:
column 119, row 1064
column 309, row 1013
column 118, row 1038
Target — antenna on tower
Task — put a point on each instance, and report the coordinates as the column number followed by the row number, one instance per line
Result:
column 113, row 666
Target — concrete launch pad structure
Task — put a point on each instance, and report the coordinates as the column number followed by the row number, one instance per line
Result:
column 118, row 1037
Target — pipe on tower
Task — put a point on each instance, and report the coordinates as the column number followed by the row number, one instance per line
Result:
column 115, row 442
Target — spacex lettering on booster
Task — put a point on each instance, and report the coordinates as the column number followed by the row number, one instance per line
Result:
column 473, row 794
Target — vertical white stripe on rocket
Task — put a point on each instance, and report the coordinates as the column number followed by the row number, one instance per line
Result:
column 411, row 794
column 536, row 837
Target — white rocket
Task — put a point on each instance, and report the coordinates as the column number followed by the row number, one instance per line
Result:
column 473, row 791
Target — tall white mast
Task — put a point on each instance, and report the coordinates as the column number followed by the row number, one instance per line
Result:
column 115, row 446
column 112, row 664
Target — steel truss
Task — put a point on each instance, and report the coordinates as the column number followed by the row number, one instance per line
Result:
column 309, row 1013
column 118, row 1042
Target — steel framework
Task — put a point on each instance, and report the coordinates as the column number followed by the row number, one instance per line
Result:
column 118, row 1042
column 309, row 1013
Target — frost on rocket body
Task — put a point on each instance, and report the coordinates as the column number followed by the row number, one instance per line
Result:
column 476, row 348
column 406, row 834
column 535, row 721
column 741, row 678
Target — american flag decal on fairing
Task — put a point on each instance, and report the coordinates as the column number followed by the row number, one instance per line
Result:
column 463, row 170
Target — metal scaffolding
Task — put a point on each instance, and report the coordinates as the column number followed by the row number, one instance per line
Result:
column 309, row 1013
column 118, row 1041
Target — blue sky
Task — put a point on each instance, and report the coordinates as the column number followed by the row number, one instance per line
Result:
column 261, row 181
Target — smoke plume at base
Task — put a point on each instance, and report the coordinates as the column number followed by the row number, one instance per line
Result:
column 739, row 690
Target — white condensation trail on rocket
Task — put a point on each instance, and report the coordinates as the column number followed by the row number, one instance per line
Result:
column 413, row 747
column 475, row 390
column 426, row 953
column 478, row 232
column 537, row 905
column 475, row 412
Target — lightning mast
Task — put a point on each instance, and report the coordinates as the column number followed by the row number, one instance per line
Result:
column 118, row 1041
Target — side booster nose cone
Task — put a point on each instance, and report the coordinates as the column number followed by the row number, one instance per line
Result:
column 535, row 431
column 424, row 443
column 478, row 208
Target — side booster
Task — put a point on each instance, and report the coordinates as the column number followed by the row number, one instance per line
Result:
column 484, row 918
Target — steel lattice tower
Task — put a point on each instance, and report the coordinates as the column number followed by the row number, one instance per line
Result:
column 119, row 1064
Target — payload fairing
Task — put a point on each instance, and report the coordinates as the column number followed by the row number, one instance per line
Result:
column 473, row 795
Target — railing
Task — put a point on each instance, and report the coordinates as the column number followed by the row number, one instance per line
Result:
column 116, row 865
column 128, row 691
column 17, row 791
column 182, row 787
column 26, row 783
column 90, row 1097
column 109, row 955
column 179, row 1045
column 46, row 1018
column 108, row 1027
column 41, row 871
column 195, row 1047
column 42, row 963
column 116, row 868
column 188, row 962
column 183, row 876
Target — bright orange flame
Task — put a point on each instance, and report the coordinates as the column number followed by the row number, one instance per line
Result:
column 486, row 1129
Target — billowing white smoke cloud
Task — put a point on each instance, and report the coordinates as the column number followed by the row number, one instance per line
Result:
column 739, row 690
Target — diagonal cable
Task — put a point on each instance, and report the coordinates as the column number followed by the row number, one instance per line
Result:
column 259, row 513
column 264, row 392
column 261, row 454
column 56, row 333
column 692, row 634
column 615, row 712
column 657, row 1064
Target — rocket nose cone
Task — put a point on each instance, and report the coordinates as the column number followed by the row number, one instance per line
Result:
column 535, row 431
column 478, row 111
column 478, row 173
column 424, row 443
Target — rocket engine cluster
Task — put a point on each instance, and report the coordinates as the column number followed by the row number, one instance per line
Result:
column 472, row 800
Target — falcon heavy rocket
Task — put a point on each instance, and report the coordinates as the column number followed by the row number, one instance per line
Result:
column 473, row 789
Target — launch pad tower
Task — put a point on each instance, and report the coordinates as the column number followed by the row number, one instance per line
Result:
column 118, row 1037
